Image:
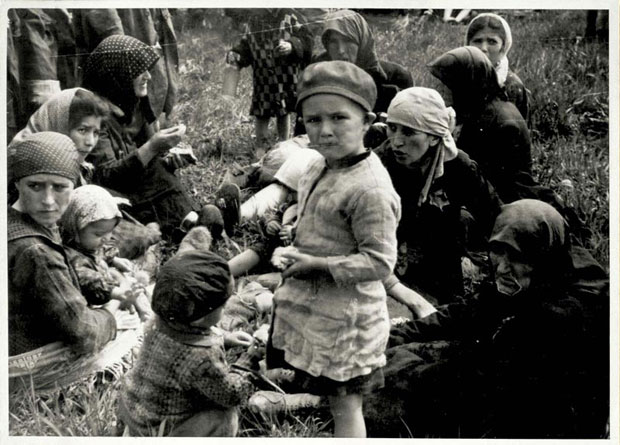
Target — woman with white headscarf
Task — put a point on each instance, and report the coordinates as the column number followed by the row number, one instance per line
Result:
column 434, row 180
column 491, row 34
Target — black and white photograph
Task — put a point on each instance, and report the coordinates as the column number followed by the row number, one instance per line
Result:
column 379, row 220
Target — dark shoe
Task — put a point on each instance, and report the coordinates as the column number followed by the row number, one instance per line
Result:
column 227, row 199
column 211, row 217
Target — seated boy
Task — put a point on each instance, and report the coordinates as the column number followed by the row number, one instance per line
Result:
column 181, row 376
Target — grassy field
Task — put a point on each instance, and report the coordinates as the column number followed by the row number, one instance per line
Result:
column 568, row 80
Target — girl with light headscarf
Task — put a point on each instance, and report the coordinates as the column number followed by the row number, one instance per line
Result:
column 434, row 180
column 86, row 228
column 491, row 34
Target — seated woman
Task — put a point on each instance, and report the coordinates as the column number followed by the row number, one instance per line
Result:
column 493, row 131
column 491, row 34
column 434, row 181
column 525, row 357
column 45, row 302
column 347, row 36
column 79, row 114
column 129, row 157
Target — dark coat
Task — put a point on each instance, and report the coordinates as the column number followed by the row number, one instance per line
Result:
column 45, row 303
column 494, row 133
column 535, row 365
column 432, row 232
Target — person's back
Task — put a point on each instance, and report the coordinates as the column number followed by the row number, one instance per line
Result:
column 181, row 377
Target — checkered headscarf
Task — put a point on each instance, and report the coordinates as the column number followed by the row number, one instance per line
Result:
column 111, row 68
column 44, row 153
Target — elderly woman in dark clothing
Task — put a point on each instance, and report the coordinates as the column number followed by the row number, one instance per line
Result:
column 493, row 131
column 526, row 357
column 434, row 180
column 44, row 299
column 131, row 157
column 347, row 36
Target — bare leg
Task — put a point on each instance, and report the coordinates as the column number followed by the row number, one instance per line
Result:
column 284, row 127
column 267, row 198
column 462, row 15
column 243, row 262
column 348, row 416
column 262, row 135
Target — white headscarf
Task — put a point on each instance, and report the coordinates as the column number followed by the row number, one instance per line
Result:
column 503, row 66
column 423, row 109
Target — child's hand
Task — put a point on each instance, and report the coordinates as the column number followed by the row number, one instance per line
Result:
column 286, row 234
column 123, row 291
column 303, row 265
column 122, row 264
column 284, row 48
column 273, row 227
column 238, row 338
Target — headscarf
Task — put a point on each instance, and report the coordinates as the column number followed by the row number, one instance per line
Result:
column 46, row 152
column 423, row 109
column 469, row 75
column 536, row 230
column 111, row 68
column 53, row 115
column 503, row 66
column 89, row 203
column 353, row 26
column 191, row 285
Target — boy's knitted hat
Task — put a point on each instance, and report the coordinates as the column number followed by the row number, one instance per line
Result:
column 338, row 77
column 191, row 285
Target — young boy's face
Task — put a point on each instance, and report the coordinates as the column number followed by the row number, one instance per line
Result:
column 335, row 125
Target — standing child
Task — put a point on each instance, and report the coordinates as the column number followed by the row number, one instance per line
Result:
column 278, row 47
column 330, row 321
column 181, row 382
column 86, row 228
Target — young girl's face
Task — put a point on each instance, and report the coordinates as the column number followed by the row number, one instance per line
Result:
column 409, row 145
column 490, row 43
column 335, row 125
column 96, row 234
column 86, row 135
column 141, row 83
column 340, row 47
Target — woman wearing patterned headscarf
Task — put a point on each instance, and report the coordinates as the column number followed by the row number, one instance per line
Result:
column 129, row 157
column 434, row 181
column 525, row 357
column 347, row 36
column 491, row 34
column 45, row 302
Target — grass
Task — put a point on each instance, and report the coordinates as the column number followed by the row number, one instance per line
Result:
column 568, row 80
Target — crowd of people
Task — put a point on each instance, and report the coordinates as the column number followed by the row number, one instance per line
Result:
column 384, row 193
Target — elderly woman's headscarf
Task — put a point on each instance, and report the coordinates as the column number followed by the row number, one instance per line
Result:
column 469, row 75
column 424, row 110
column 481, row 21
column 89, row 203
column 46, row 152
column 353, row 26
column 538, row 232
column 111, row 68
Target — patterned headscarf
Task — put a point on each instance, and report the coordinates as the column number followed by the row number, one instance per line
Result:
column 89, row 203
column 474, row 26
column 424, row 110
column 111, row 68
column 352, row 25
column 46, row 152
column 53, row 115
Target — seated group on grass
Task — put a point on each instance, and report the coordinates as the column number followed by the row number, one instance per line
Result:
column 524, row 354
